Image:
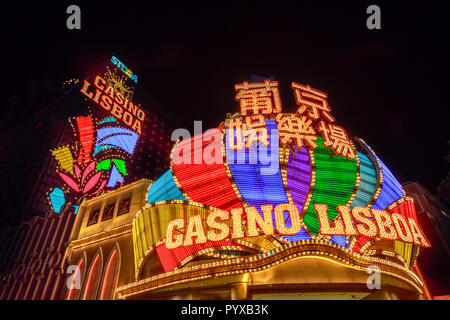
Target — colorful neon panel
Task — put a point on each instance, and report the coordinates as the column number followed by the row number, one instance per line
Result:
column 104, row 165
column 57, row 199
column 335, row 181
column 407, row 210
column 101, row 148
column 65, row 158
column 110, row 119
column 171, row 258
column 202, row 182
column 365, row 192
column 391, row 190
column 246, row 167
column 299, row 177
column 164, row 189
column 340, row 240
column 120, row 164
column 86, row 136
column 92, row 182
column 299, row 181
column 367, row 183
column 114, row 177
column 70, row 182
column 257, row 188
column 119, row 137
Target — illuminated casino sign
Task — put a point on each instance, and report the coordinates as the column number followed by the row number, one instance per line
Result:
column 267, row 179
column 370, row 223
column 113, row 101
column 124, row 69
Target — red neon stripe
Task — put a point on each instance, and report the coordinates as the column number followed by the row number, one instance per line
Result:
column 203, row 182
column 170, row 258
column 86, row 130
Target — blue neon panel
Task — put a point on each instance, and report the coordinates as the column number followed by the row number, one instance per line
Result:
column 114, row 177
column 367, row 182
column 391, row 189
column 57, row 199
column 110, row 119
column 257, row 177
column 119, row 137
column 164, row 189
column 101, row 148
column 340, row 240
column 257, row 189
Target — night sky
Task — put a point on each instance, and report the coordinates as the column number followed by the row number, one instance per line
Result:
column 387, row 86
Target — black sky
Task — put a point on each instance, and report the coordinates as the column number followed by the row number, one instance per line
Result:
column 388, row 86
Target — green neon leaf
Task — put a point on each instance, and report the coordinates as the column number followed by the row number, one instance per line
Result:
column 104, row 165
column 334, row 185
column 120, row 164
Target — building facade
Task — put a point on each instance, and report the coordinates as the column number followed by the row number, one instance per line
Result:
column 268, row 205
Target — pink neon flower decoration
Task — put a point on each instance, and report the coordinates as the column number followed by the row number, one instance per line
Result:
column 92, row 182
column 70, row 182
column 88, row 170
column 84, row 185
column 77, row 170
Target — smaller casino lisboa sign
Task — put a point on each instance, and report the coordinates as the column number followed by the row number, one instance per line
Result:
column 113, row 101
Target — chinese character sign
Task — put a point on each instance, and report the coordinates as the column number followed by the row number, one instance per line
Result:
column 261, row 101
column 258, row 98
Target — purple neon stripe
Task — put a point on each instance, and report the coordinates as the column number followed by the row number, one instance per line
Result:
column 299, row 177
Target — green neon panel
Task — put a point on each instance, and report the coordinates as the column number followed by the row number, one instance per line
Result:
column 120, row 164
column 334, row 185
column 104, row 165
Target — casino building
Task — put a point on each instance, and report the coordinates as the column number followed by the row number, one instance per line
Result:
column 120, row 244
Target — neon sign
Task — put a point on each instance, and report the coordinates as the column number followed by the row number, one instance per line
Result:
column 359, row 221
column 114, row 102
column 95, row 161
column 278, row 177
column 124, row 69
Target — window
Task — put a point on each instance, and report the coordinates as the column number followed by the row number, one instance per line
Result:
column 108, row 212
column 93, row 217
column 124, row 206
column 111, row 273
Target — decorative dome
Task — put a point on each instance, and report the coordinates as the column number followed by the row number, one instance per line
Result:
column 306, row 170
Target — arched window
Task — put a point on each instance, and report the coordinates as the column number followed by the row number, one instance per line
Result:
column 110, row 275
column 77, row 280
column 93, row 278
